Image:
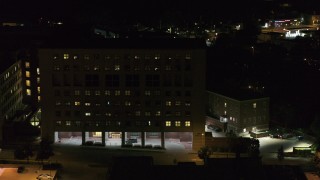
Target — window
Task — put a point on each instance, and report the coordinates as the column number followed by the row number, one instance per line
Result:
column 254, row 105
column 68, row 123
column 107, row 93
column 132, row 80
column 152, row 80
column 112, row 80
column 27, row 64
column 127, row 92
column 28, row 91
column 147, row 113
column 117, row 67
column 65, row 56
column 178, row 103
column 187, row 123
column 92, row 80
column 168, row 103
column 87, row 104
column 168, row 123
column 158, row 113
column 28, row 83
column 77, row 103
column 97, row 93
column 147, row 93
column 87, row 93
column 87, row 114
column 225, row 104
column 77, row 92
column 117, row 92
column 86, row 57
column 27, row 74
column 177, row 123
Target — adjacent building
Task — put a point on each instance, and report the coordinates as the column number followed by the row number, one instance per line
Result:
column 238, row 112
column 152, row 90
column 11, row 106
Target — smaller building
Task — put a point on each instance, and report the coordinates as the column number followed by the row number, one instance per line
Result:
column 238, row 112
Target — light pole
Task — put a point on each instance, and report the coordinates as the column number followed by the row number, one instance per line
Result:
column 252, row 47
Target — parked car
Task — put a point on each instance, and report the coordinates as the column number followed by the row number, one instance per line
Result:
column 44, row 176
column 274, row 135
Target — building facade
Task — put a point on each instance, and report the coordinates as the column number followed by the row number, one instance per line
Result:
column 11, row 106
column 149, row 90
column 238, row 115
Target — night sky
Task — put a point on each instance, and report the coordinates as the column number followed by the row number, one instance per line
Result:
column 143, row 10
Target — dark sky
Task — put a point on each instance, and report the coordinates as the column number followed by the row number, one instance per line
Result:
column 141, row 9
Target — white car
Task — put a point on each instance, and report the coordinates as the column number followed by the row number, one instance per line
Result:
column 44, row 176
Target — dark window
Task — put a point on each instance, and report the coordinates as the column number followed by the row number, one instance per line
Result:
column 132, row 80
column 92, row 80
column 112, row 80
column 152, row 80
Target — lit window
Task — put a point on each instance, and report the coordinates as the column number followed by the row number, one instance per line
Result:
column 127, row 92
column 108, row 114
column 117, row 93
column 168, row 103
column 87, row 93
column 38, row 80
column 87, row 104
column 77, row 93
column 87, row 114
column 97, row 134
column 65, row 56
column 68, row 123
column 107, row 93
column 75, row 57
column 28, row 91
column 188, row 56
column 225, row 104
column 34, row 122
column 147, row 93
column 254, row 105
column 117, row 67
column 28, row 83
column 177, row 123
column 187, row 123
column 97, row 93
column 168, row 123
column 158, row 113
column 178, row 103
column 27, row 73
column 38, row 71
column 39, row 98
column 137, row 113
column 157, row 56
column 77, row 103
column 38, row 89
column 86, row 57
column 147, row 113
column 27, row 64
column 127, row 103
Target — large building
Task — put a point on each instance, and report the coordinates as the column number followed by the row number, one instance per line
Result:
column 240, row 112
column 152, row 90
column 11, row 106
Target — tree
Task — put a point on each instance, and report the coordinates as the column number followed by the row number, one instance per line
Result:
column 24, row 152
column 204, row 153
column 316, row 160
column 254, row 148
column 45, row 150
